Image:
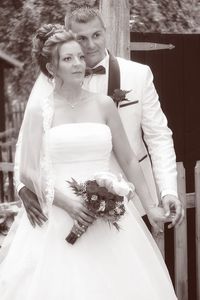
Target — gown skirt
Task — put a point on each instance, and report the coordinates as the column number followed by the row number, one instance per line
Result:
column 104, row 263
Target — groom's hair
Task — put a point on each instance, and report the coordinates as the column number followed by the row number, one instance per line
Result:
column 82, row 14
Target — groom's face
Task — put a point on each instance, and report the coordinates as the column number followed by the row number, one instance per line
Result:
column 91, row 36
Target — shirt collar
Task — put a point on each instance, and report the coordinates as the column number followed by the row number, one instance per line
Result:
column 104, row 62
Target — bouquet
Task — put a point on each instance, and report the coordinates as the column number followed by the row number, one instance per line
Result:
column 104, row 195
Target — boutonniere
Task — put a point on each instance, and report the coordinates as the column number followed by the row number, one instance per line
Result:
column 119, row 96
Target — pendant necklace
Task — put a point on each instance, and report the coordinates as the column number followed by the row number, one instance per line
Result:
column 76, row 103
column 72, row 105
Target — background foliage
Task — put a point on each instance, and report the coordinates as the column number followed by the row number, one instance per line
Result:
column 20, row 19
column 167, row 16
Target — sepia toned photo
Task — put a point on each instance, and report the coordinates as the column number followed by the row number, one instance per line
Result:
column 99, row 150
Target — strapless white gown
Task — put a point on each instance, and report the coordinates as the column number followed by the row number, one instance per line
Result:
column 104, row 264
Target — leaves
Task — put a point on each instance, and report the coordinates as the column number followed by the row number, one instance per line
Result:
column 116, row 225
column 167, row 16
column 78, row 188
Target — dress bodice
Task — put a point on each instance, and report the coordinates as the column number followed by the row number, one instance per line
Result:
column 80, row 149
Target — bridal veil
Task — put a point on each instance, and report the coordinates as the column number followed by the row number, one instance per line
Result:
column 34, row 166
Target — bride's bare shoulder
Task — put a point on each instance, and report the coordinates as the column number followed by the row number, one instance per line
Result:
column 103, row 100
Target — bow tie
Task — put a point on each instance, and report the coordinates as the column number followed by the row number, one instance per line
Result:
column 97, row 70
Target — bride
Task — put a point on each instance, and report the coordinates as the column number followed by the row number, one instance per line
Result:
column 71, row 133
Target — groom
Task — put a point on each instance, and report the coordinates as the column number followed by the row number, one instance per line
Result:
column 141, row 115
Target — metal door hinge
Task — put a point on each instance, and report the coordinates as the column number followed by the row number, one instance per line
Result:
column 147, row 46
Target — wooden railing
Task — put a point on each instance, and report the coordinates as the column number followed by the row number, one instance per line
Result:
column 190, row 200
column 7, row 152
column 14, row 115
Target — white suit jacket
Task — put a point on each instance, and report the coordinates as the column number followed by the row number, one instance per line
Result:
column 142, row 117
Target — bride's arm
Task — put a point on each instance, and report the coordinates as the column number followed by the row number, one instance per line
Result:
column 127, row 158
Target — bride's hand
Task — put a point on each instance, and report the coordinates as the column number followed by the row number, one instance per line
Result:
column 156, row 215
column 80, row 213
column 73, row 205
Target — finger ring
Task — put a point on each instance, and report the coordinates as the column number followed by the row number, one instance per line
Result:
column 84, row 227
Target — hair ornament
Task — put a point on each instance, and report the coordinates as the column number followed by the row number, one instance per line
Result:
column 54, row 32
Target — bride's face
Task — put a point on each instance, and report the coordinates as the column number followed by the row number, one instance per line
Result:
column 71, row 63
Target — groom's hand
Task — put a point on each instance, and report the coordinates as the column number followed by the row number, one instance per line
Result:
column 156, row 216
column 173, row 209
column 32, row 206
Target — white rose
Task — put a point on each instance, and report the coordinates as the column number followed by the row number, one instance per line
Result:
column 121, row 187
column 105, row 179
column 104, row 175
column 114, row 184
column 102, row 206
column 94, row 198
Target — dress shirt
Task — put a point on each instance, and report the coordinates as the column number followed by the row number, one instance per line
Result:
column 98, row 83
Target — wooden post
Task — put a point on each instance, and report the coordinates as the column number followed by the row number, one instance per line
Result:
column 116, row 15
column 2, row 98
column 1, row 178
column 180, row 242
column 10, row 177
column 197, row 200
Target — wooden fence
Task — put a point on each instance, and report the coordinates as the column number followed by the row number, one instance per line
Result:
column 14, row 114
column 8, row 138
column 191, row 200
column 7, row 152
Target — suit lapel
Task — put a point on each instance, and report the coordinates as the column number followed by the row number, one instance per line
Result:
column 114, row 75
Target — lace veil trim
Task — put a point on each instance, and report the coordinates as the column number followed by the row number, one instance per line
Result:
column 46, row 163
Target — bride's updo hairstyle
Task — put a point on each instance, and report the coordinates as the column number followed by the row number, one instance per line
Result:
column 46, row 43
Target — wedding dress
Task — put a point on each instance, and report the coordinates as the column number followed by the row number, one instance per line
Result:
column 103, row 264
